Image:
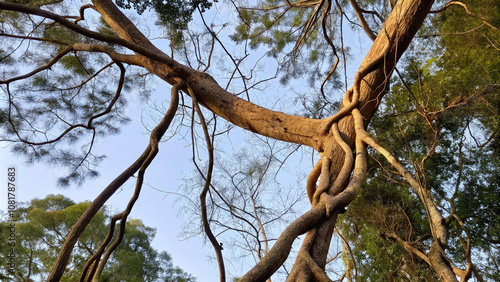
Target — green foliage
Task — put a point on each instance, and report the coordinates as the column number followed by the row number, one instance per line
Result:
column 174, row 13
column 279, row 28
column 4, row 58
column 75, row 64
column 442, row 121
column 271, row 28
column 383, row 206
column 41, row 230
column 67, row 95
column 56, row 32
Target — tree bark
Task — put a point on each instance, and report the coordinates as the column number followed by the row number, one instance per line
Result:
column 393, row 39
column 277, row 125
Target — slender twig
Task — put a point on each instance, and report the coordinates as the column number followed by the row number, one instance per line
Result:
column 346, row 243
column 236, row 64
column 334, row 50
column 463, row 5
column 203, row 195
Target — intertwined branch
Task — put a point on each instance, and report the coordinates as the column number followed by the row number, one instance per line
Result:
column 95, row 265
column 339, row 171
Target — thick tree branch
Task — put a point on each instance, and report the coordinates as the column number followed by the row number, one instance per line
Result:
column 64, row 255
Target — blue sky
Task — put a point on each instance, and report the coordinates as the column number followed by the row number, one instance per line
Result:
column 156, row 209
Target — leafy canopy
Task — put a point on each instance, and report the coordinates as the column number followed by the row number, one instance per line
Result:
column 174, row 13
column 41, row 228
column 441, row 117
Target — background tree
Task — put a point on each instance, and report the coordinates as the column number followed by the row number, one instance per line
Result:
column 41, row 229
column 83, row 98
column 444, row 124
column 249, row 205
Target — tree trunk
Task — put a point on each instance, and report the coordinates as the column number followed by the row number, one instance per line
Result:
column 395, row 37
column 392, row 40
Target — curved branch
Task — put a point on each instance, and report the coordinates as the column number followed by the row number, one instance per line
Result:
column 115, row 98
column 345, row 172
column 71, row 127
column 359, row 173
column 203, row 195
column 155, row 137
column 82, row 12
column 325, row 180
column 334, row 50
column 362, row 20
column 463, row 5
column 280, row 250
column 312, row 179
column 77, row 229
column 93, row 261
column 48, row 65
column 94, row 75
column 25, row 141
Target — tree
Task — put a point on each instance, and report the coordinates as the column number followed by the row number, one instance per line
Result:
column 41, row 228
column 445, row 132
column 76, row 96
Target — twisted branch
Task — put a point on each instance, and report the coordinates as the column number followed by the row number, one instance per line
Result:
column 203, row 195
column 141, row 163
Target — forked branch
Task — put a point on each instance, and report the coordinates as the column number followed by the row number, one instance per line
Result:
column 142, row 162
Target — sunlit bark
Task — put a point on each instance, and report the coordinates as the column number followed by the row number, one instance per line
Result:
column 340, row 174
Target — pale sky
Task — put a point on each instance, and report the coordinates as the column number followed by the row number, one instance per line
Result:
column 154, row 208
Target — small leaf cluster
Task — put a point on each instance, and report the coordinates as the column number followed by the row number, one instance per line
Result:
column 174, row 13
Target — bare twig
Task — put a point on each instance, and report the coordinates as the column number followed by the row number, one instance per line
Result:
column 463, row 5
column 203, row 195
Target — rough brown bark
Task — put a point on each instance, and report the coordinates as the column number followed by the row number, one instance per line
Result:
column 277, row 125
column 392, row 40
